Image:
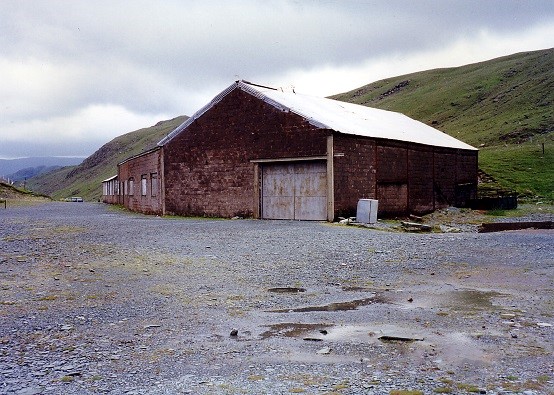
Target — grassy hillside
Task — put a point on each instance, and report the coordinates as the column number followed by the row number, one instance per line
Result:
column 11, row 196
column 85, row 179
column 503, row 106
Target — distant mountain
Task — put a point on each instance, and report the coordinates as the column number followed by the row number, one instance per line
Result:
column 30, row 172
column 8, row 167
column 85, row 180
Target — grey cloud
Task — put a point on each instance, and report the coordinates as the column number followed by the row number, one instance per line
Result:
column 155, row 57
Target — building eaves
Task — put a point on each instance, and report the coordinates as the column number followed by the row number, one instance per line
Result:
column 110, row 179
column 139, row 155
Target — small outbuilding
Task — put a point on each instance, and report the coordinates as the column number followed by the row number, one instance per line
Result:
column 259, row 152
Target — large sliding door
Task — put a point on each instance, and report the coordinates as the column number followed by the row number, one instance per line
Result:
column 296, row 190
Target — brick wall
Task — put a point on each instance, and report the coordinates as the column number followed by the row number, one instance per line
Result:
column 445, row 177
column 208, row 168
column 392, row 177
column 148, row 201
column 466, row 167
column 420, row 179
column 405, row 178
column 466, row 177
column 355, row 172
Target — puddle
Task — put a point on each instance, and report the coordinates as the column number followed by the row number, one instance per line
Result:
column 339, row 306
column 284, row 290
column 475, row 299
column 370, row 333
column 460, row 300
column 449, row 349
column 292, row 330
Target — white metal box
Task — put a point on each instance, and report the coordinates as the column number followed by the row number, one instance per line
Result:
column 367, row 211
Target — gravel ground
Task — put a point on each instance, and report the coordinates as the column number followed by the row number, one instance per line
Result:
column 97, row 300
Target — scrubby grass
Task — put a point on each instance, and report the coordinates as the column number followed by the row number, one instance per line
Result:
column 11, row 196
column 523, row 168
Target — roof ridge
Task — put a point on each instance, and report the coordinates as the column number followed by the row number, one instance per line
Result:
column 350, row 118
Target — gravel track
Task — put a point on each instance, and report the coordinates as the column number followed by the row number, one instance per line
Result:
column 98, row 300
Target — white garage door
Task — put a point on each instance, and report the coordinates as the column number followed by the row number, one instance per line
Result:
column 295, row 191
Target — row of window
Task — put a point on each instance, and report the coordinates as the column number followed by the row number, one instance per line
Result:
column 112, row 187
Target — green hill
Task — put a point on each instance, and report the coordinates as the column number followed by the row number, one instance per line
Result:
column 85, row 180
column 502, row 106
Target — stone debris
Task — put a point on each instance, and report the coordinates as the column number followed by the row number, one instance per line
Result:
column 415, row 227
column 387, row 338
column 324, row 351
column 151, row 326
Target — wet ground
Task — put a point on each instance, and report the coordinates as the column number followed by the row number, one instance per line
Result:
column 97, row 300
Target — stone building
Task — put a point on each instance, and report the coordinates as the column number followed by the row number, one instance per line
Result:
column 259, row 152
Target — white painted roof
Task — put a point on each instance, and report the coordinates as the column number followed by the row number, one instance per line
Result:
column 109, row 179
column 342, row 117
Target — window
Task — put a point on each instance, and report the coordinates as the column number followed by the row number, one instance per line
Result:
column 131, row 189
column 154, row 184
column 143, row 185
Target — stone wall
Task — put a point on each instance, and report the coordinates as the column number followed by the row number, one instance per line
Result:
column 141, row 183
column 406, row 178
column 355, row 172
column 208, row 167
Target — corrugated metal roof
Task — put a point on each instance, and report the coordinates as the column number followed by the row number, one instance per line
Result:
column 339, row 116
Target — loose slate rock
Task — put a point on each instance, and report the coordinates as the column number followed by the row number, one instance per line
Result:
column 29, row 391
column 283, row 290
column 152, row 326
column 324, row 351
column 399, row 339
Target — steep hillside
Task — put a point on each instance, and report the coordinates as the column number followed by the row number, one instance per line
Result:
column 503, row 106
column 85, row 179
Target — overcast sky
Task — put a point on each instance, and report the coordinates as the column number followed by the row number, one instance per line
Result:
column 75, row 74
